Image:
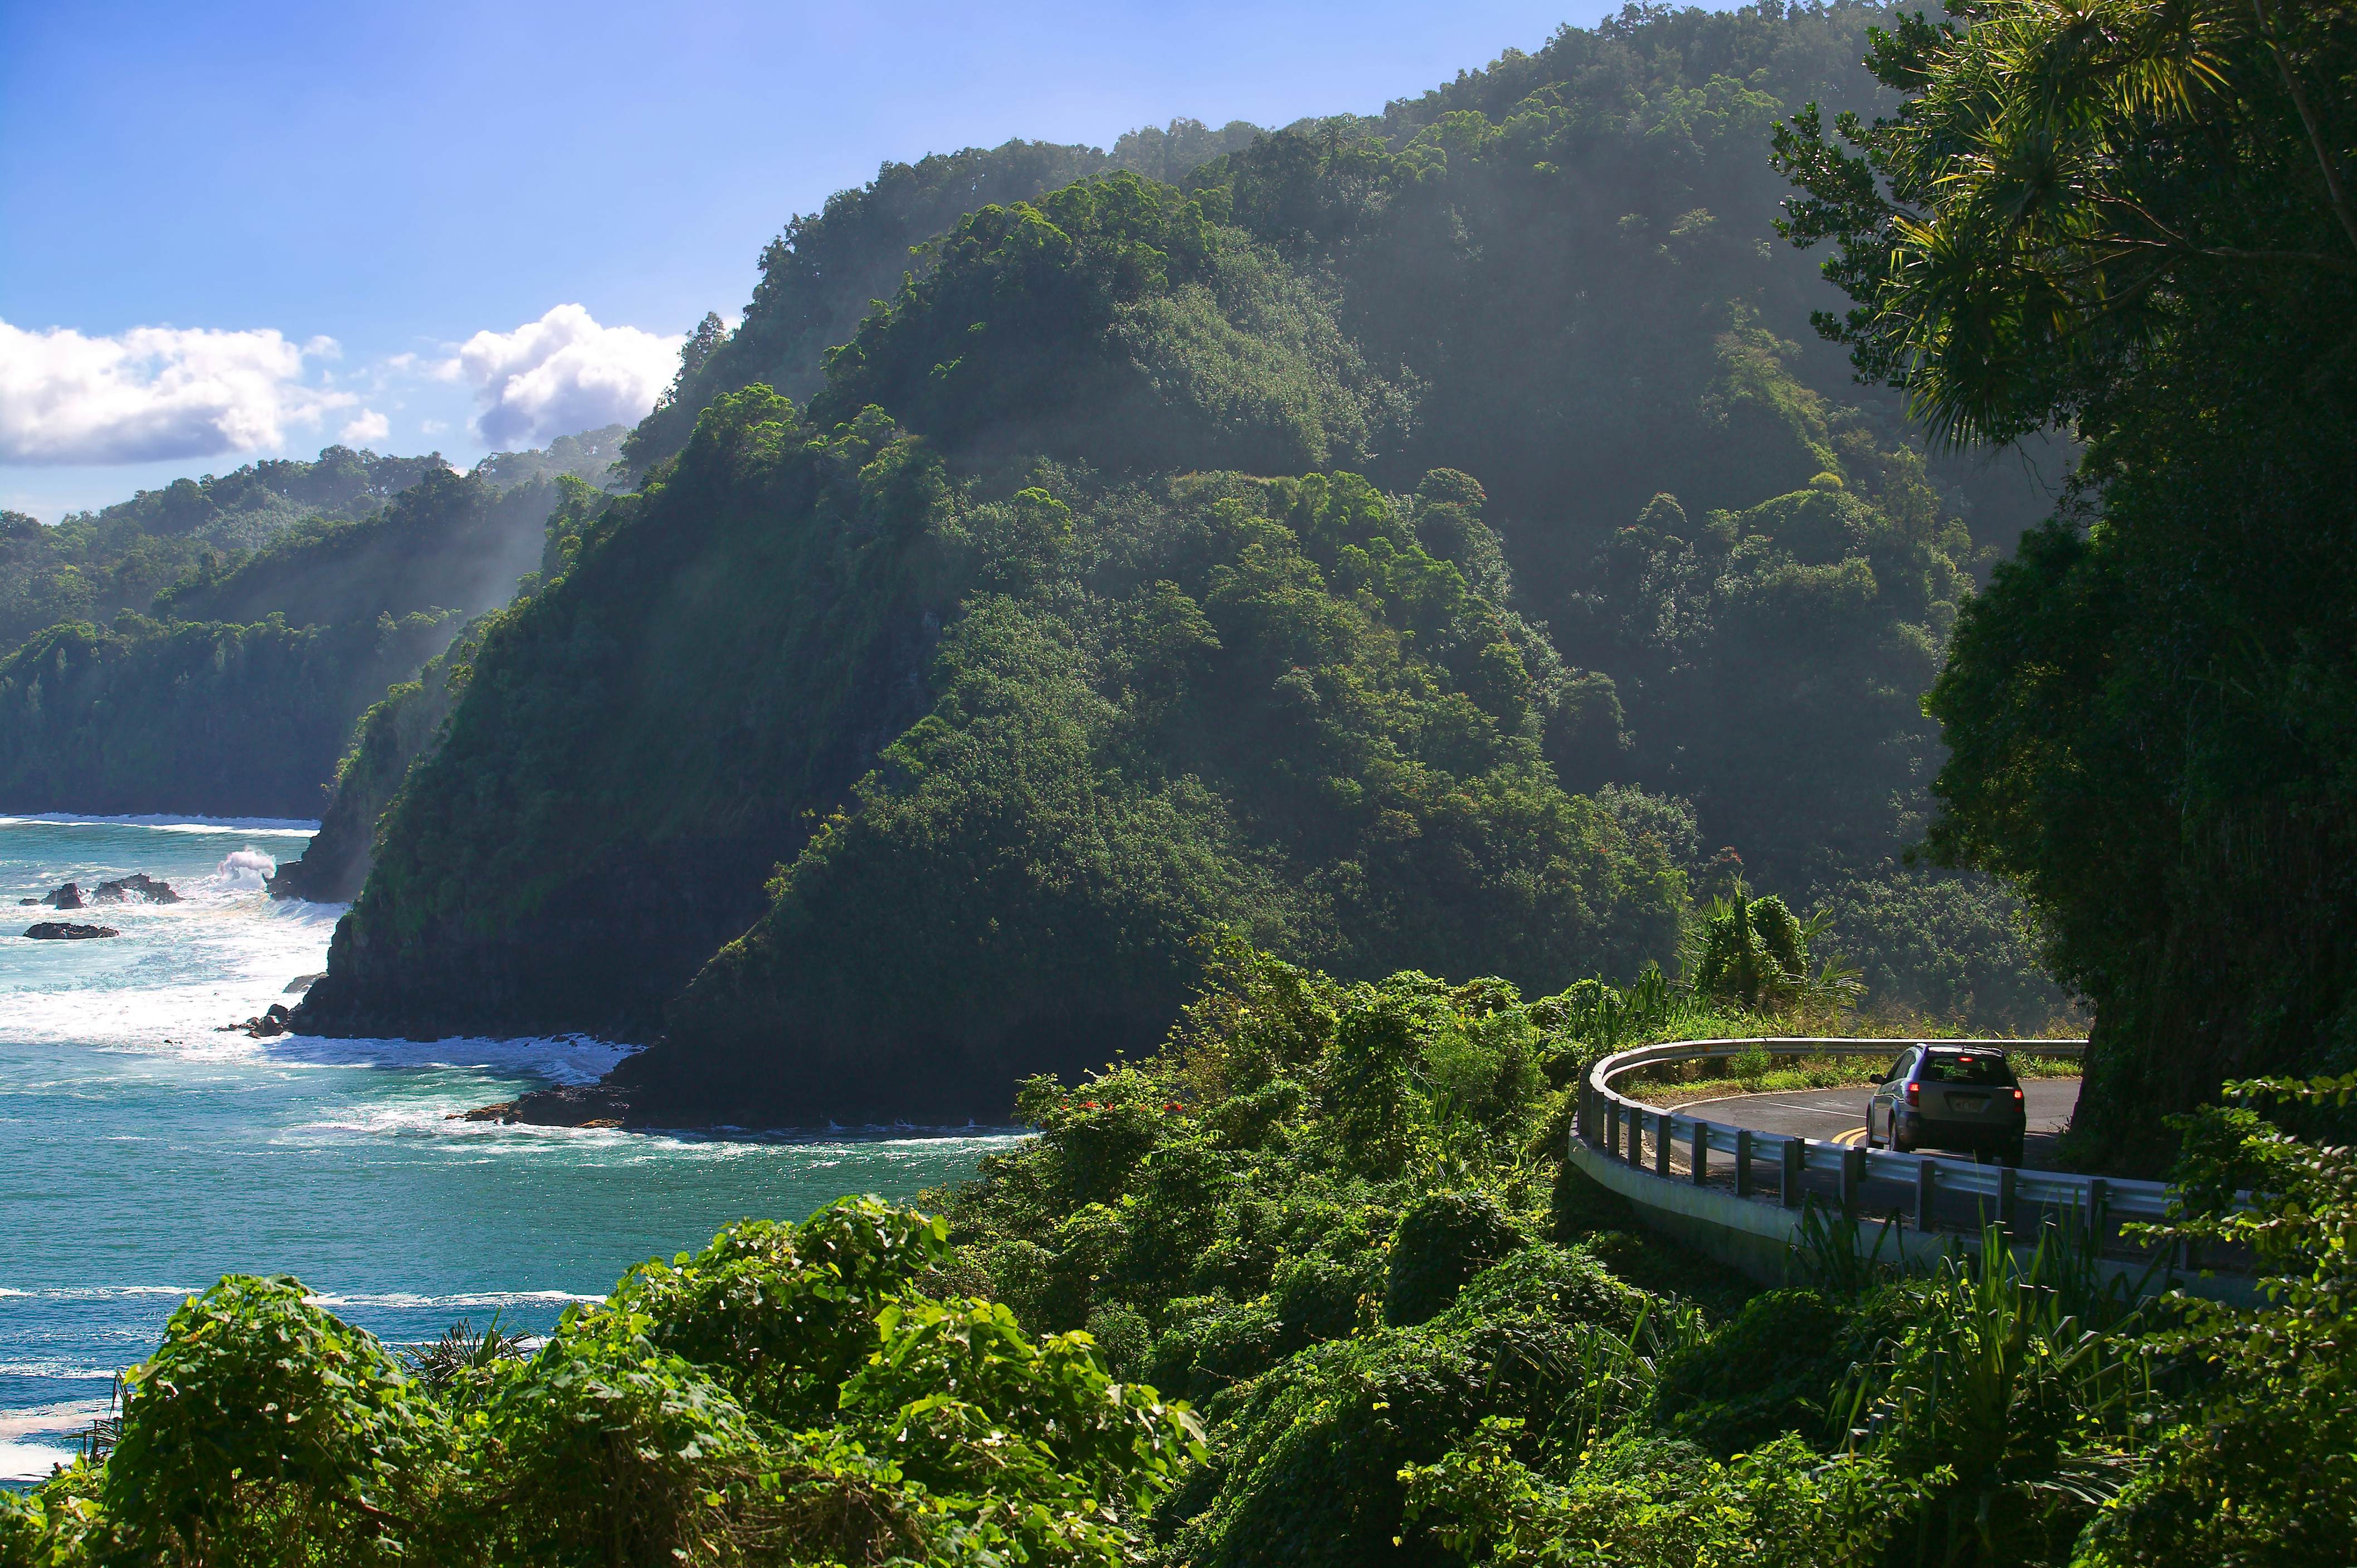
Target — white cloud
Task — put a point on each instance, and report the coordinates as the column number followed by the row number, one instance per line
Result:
column 364, row 427
column 432, row 427
column 154, row 394
column 559, row 374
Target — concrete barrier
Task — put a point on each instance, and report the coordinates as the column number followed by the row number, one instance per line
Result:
column 1741, row 1226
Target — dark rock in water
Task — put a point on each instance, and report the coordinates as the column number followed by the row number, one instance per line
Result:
column 572, row 1105
column 138, row 885
column 28, row 900
column 268, row 1027
column 67, row 931
column 66, row 898
column 303, row 983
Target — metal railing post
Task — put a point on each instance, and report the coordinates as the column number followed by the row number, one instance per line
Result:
column 2005, row 1205
column 1743, row 1162
column 1927, row 1183
column 2099, row 1194
column 1611, row 1126
column 1636, row 1119
column 1701, row 1161
column 1788, row 1187
column 1853, row 1176
column 1661, row 1135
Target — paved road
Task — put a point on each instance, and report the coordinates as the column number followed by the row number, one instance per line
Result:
column 1839, row 1114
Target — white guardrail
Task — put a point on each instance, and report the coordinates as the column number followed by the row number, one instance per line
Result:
column 1619, row 1127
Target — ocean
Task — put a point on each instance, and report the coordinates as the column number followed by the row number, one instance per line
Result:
column 144, row 1153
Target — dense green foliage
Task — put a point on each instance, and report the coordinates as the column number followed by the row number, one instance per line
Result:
column 722, row 682
column 207, row 717
column 345, row 609
column 828, row 268
column 1333, row 1216
column 406, row 723
column 1150, row 712
column 1940, row 945
column 2132, row 216
column 94, row 564
column 451, row 541
column 1753, row 953
column 1337, row 1220
column 1114, row 321
column 814, row 1394
column 1396, row 295
column 1217, row 705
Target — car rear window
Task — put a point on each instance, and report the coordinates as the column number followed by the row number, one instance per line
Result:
column 1940, row 1067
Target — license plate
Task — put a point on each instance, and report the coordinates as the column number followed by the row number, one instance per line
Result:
column 1969, row 1103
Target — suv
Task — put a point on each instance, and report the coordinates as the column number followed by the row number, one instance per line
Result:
column 1949, row 1097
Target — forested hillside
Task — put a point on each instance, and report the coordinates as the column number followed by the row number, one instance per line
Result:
column 455, row 541
column 1559, row 276
column 406, row 723
column 210, row 718
column 891, row 644
column 1148, row 712
column 236, row 690
column 1089, row 646
column 821, row 275
column 96, row 563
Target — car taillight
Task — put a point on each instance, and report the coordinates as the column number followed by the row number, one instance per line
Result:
column 2016, row 1094
column 1914, row 1094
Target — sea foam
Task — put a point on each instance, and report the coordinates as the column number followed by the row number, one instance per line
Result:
column 298, row 827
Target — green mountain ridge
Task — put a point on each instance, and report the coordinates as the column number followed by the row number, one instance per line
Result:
column 237, row 690
column 873, row 644
column 93, row 564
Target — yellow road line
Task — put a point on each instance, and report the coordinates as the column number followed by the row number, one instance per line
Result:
column 1855, row 1136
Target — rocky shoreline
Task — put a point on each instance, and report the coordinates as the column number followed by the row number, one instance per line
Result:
column 67, row 931
column 138, row 885
column 567, row 1105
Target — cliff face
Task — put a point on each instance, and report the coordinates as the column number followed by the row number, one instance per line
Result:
column 1205, row 705
column 638, row 744
column 1016, row 753
column 599, row 948
column 407, row 723
column 390, row 737
column 212, row 719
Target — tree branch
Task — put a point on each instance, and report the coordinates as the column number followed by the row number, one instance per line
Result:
column 2334, row 193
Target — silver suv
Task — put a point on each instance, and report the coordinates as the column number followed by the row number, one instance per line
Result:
column 1949, row 1097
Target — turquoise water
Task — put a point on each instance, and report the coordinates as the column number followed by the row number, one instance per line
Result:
column 143, row 1154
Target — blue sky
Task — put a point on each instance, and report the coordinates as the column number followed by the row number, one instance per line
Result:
column 259, row 227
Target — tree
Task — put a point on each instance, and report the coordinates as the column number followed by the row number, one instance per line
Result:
column 2132, row 216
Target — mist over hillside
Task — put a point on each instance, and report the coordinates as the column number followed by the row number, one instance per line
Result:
column 170, row 667
column 1535, row 318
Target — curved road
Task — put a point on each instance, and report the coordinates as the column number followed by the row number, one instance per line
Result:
column 1838, row 1115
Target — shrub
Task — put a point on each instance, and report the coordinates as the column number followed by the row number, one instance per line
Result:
column 1444, row 1240
column 1770, row 1371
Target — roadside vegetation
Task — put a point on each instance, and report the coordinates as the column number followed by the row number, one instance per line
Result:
column 1310, row 1284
